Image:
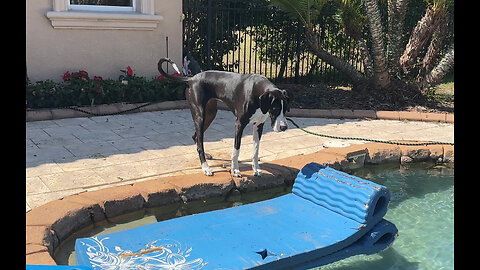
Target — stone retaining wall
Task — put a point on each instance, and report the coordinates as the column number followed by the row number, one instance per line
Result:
column 51, row 114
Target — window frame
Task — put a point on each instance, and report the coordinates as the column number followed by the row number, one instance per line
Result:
column 144, row 17
column 99, row 8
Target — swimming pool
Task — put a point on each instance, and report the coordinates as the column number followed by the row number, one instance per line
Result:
column 421, row 207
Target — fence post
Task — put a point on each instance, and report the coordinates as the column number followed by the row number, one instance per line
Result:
column 209, row 34
column 297, row 66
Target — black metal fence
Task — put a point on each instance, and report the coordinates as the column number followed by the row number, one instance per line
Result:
column 249, row 36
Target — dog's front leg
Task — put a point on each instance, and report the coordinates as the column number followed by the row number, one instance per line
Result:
column 235, row 170
column 257, row 135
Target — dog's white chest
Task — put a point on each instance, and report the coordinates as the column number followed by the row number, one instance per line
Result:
column 258, row 117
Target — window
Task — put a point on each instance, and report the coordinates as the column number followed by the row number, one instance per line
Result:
column 104, row 14
column 102, row 5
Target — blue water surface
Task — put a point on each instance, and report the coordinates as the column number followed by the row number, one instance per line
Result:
column 422, row 209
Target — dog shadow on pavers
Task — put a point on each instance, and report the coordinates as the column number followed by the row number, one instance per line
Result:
column 160, row 141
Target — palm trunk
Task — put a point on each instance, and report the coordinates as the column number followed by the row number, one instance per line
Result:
column 438, row 36
column 357, row 78
column 396, row 20
column 436, row 75
column 367, row 61
column 381, row 78
column 420, row 35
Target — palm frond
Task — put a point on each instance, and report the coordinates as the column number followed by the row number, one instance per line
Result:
column 304, row 10
column 295, row 8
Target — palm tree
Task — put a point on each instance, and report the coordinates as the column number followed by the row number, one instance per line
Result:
column 397, row 10
column 307, row 11
column 381, row 62
column 435, row 76
column 381, row 76
column 431, row 27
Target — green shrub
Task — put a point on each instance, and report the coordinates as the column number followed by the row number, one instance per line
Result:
column 78, row 89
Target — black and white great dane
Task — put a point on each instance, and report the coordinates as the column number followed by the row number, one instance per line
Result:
column 251, row 97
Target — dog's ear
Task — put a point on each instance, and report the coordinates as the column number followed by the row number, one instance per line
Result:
column 286, row 97
column 265, row 102
column 285, row 94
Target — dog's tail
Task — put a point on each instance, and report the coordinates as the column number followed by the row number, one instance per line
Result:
column 168, row 76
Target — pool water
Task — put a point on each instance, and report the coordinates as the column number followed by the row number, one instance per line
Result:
column 421, row 207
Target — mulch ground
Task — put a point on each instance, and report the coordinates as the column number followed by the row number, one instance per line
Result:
column 320, row 96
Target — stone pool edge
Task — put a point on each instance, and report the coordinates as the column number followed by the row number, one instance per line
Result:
column 50, row 224
column 61, row 113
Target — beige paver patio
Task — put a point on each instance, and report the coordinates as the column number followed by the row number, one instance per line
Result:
column 69, row 156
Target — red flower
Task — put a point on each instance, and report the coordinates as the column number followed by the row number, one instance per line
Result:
column 83, row 72
column 161, row 77
column 66, row 76
column 97, row 80
column 129, row 71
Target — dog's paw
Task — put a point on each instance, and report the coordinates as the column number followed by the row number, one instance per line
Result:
column 207, row 172
column 257, row 172
column 236, row 173
column 206, row 169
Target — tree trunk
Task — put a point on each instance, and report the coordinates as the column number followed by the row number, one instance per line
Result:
column 283, row 65
column 367, row 61
column 436, row 75
column 438, row 36
column 396, row 20
column 420, row 35
column 381, row 78
column 313, row 67
column 357, row 78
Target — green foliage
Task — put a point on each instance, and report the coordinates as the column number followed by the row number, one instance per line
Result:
column 276, row 39
column 232, row 18
column 305, row 10
column 352, row 17
column 78, row 89
column 45, row 94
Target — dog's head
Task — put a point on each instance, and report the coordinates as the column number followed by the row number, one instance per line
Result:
column 276, row 103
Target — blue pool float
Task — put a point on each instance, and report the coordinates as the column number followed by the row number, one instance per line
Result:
column 330, row 215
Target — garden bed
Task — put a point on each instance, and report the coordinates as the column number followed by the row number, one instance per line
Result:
column 321, row 96
column 81, row 89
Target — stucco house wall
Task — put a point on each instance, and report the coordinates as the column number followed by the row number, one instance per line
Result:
column 101, row 43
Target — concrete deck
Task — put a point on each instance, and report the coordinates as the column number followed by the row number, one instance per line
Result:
column 69, row 156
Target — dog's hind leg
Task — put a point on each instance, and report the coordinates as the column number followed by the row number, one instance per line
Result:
column 201, row 153
column 210, row 113
column 198, row 114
